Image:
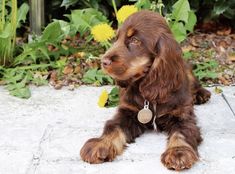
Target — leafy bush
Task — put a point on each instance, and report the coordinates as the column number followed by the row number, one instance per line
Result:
column 181, row 20
column 83, row 20
column 180, row 17
column 113, row 97
column 97, row 77
column 44, row 53
column 209, row 9
column 8, row 25
column 206, row 70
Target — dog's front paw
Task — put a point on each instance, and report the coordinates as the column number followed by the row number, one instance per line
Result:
column 96, row 150
column 179, row 158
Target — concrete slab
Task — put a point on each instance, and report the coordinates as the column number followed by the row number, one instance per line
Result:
column 44, row 134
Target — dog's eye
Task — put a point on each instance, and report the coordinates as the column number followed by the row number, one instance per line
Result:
column 135, row 40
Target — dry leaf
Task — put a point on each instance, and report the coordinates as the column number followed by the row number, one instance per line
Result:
column 187, row 48
column 53, row 76
column 231, row 57
column 2, row 82
column 224, row 31
column 77, row 69
column 223, row 80
column 68, row 69
column 218, row 90
column 79, row 54
column 58, row 86
column 71, row 87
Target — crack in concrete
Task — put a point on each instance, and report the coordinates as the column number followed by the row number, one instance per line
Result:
column 35, row 161
column 227, row 102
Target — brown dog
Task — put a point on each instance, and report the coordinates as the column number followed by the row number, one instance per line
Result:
column 147, row 64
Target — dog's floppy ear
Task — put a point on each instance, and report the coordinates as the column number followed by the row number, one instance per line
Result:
column 166, row 74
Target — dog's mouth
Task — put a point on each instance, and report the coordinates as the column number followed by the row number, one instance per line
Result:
column 127, row 73
column 115, row 72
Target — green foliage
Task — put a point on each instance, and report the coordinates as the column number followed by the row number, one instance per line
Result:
column 223, row 7
column 22, row 14
column 97, row 77
column 37, row 50
column 105, row 6
column 182, row 20
column 113, row 98
column 206, row 70
column 17, row 79
column 187, row 55
column 84, row 19
column 84, row 3
column 35, row 57
column 16, row 83
column 142, row 4
column 209, row 9
column 8, row 26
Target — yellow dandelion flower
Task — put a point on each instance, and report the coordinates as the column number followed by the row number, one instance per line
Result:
column 103, row 98
column 125, row 11
column 102, row 32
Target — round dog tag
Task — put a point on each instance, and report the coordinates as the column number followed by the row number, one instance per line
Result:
column 145, row 115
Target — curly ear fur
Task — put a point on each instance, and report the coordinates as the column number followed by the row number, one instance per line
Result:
column 167, row 71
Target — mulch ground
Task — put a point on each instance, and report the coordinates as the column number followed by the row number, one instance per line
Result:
column 218, row 46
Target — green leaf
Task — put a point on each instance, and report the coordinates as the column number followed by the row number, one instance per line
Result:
column 206, row 70
column 52, row 32
column 192, row 19
column 113, row 98
column 187, row 55
column 220, row 8
column 90, row 76
column 95, row 76
column 21, row 92
column 67, row 3
column 44, row 51
column 143, row 4
column 86, row 18
column 180, row 10
column 7, row 32
column 179, row 31
column 39, row 81
column 22, row 13
column 65, row 27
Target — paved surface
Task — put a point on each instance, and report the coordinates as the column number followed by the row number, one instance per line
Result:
column 44, row 134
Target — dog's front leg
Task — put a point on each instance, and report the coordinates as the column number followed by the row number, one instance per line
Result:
column 122, row 129
column 184, row 138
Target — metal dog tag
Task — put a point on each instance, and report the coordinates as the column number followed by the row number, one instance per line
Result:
column 145, row 115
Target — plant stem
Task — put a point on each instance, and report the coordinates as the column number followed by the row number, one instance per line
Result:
column 3, row 16
column 33, row 66
column 2, row 21
column 160, row 5
column 14, row 22
column 114, row 7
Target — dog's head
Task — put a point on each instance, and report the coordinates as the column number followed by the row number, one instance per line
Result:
column 145, row 49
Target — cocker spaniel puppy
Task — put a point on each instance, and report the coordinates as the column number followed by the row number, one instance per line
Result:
column 157, row 91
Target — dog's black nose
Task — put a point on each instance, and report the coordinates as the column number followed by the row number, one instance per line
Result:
column 106, row 62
